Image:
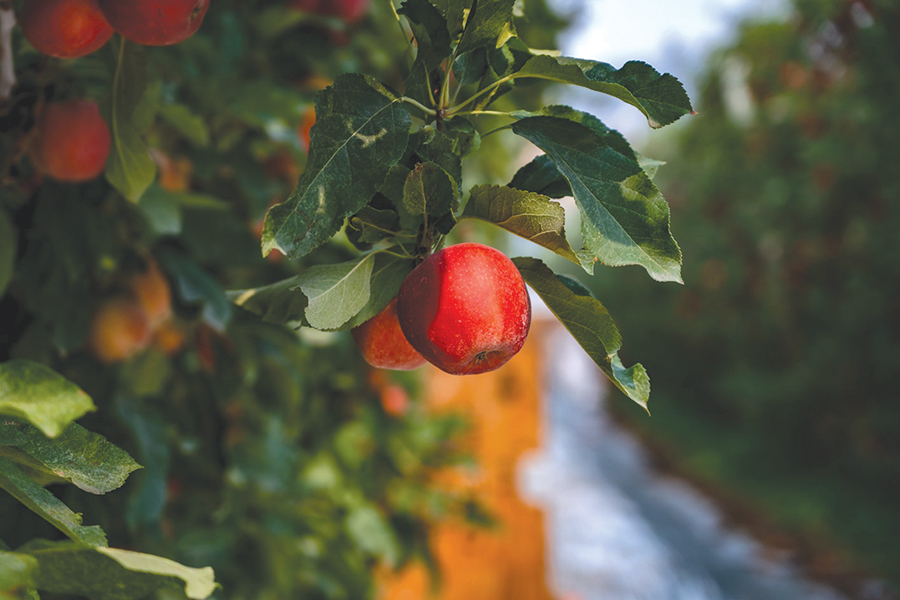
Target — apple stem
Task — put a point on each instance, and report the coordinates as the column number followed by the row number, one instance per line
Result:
column 7, row 68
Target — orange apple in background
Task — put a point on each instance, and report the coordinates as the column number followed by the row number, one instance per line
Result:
column 155, row 22
column 169, row 337
column 119, row 329
column 383, row 344
column 152, row 292
column 465, row 309
column 64, row 28
column 349, row 11
column 394, row 400
column 71, row 142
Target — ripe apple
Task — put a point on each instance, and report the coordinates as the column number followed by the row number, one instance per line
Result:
column 151, row 290
column 382, row 342
column 155, row 22
column 465, row 309
column 64, row 28
column 349, row 11
column 72, row 141
column 119, row 329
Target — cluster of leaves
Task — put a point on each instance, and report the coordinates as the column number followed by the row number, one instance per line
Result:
column 395, row 189
column 788, row 200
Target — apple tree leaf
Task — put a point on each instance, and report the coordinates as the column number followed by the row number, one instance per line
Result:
column 489, row 22
column 336, row 292
column 624, row 218
column 589, row 323
column 429, row 190
column 388, row 274
column 113, row 573
column 41, row 396
column 660, row 97
column 432, row 42
column 17, row 576
column 361, row 130
column 195, row 286
column 527, row 214
column 371, row 225
column 8, row 246
column 79, row 456
column 541, row 176
column 129, row 109
column 46, row 505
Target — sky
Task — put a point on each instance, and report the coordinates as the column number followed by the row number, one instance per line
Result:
column 673, row 36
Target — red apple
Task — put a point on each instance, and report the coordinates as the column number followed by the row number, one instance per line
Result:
column 155, row 22
column 64, row 28
column 346, row 10
column 72, row 141
column 382, row 342
column 465, row 309
column 119, row 329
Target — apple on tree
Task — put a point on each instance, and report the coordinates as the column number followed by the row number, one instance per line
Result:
column 383, row 344
column 64, row 28
column 71, row 142
column 465, row 309
column 155, row 22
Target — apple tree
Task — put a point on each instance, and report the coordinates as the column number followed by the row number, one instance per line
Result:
column 269, row 174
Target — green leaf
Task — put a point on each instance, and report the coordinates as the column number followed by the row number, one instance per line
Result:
column 371, row 225
column 489, row 22
column 624, row 218
column 46, row 505
column 8, row 247
column 279, row 302
column 661, row 98
column 336, row 292
column 16, row 575
column 432, row 42
column 526, row 214
column 465, row 139
column 429, row 190
column 189, row 124
column 113, row 573
column 196, row 286
column 388, row 274
column 361, row 130
column 371, row 532
column 541, row 176
column 129, row 167
column 589, row 323
column 454, row 11
column 41, row 396
column 79, row 456
column 470, row 67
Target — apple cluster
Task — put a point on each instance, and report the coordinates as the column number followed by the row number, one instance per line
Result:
column 464, row 309
column 71, row 140
column 141, row 314
column 73, row 28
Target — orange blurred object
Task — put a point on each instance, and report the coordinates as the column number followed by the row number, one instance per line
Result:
column 506, row 562
column 306, row 124
column 151, row 289
column 120, row 329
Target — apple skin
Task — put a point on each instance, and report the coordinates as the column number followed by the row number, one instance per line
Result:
column 348, row 11
column 383, row 344
column 155, row 22
column 152, row 292
column 465, row 309
column 119, row 329
column 72, row 141
column 64, row 28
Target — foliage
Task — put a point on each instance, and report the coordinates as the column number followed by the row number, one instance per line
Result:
column 260, row 449
column 787, row 199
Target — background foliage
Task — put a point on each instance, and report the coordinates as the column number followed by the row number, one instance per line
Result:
column 775, row 364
